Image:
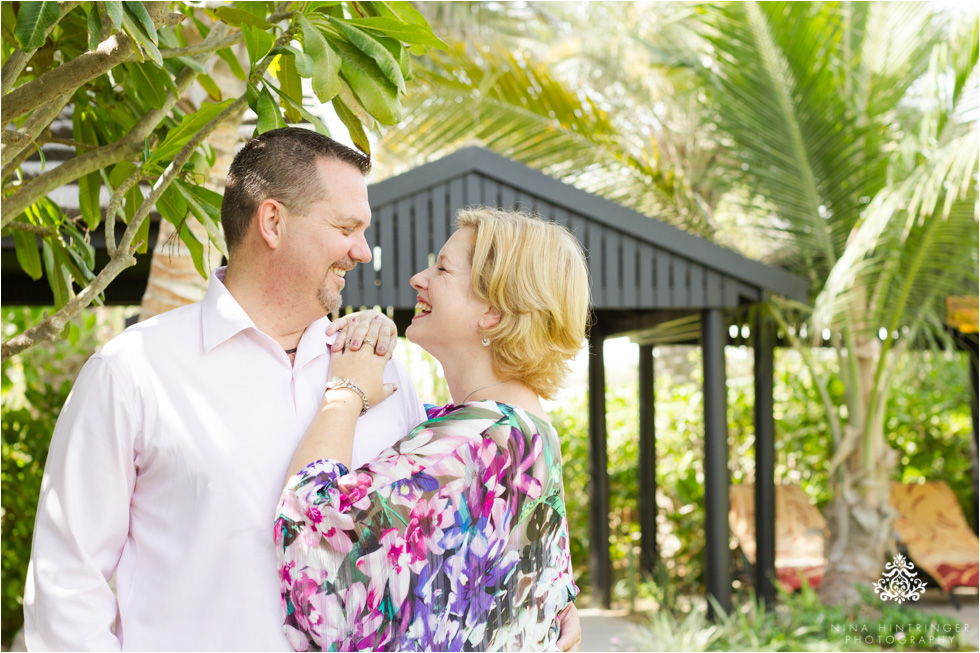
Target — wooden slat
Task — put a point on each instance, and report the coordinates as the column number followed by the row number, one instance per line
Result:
column 388, row 253
column 695, row 296
column 440, row 217
column 507, row 198
column 678, row 284
column 631, row 273
column 663, row 280
column 713, row 290
column 474, row 190
column 560, row 215
column 422, row 224
column 403, row 234
column 523, row 202
column 647, row 288
column 491, row 193
column 369, row 294
column 457, row 197
column 611, row 262
column 593, row 245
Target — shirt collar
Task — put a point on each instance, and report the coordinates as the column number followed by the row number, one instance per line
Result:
column 223, row 318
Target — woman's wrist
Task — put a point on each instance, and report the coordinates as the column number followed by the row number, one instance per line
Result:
column 345, row 399
column 336, row 384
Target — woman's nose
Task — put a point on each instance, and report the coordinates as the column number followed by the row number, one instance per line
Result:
column 418, row 280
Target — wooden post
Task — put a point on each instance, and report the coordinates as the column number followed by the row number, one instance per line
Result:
column 717, row 555
column 647, row 501
column 599, row 560
column 765, row 461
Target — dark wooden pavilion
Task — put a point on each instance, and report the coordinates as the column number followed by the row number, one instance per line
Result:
column 650, row 280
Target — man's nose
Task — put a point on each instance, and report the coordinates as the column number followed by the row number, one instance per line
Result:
column 361, row 251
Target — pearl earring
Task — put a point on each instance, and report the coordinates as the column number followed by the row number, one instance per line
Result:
column 486, row 341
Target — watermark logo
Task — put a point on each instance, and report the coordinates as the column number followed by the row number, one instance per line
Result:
column 899, row 583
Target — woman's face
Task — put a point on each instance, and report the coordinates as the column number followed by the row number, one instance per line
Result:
column 447, row 315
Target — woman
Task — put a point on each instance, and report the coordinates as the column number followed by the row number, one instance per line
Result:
column 455, row 538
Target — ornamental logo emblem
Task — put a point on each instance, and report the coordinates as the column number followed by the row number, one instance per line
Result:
column 899, row 583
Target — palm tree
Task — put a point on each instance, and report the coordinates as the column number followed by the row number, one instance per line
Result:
column 838, row 140
column 852, row 131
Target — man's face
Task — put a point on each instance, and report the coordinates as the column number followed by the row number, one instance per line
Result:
column 328, row 240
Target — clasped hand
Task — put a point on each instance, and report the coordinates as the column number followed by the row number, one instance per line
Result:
column 364, row 344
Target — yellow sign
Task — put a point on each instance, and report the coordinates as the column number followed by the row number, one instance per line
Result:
column 962, row 313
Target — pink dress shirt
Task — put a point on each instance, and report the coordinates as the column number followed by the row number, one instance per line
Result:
column 165, row 469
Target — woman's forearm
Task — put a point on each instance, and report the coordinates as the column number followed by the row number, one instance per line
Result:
column 331, row 435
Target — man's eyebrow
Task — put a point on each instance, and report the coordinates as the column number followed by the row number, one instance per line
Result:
column 350, row 222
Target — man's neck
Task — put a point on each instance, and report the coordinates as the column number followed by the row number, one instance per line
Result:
column 269, row 308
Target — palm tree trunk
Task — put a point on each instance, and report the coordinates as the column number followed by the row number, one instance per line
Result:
column 173, row 280
column 861, row 536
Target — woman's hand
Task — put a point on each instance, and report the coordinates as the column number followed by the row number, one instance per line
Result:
column 353, row 330
column 362, row 366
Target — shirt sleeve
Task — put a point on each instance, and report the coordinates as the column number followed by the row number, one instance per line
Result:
column 82, row 518
column 356, row 549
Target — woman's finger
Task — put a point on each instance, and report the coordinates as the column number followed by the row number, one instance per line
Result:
column 386, row 334
column 356, row 333
column 341, row 339
column 373, row 334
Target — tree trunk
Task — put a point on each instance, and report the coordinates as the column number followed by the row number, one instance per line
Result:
column 173, row 280
column 861, row 514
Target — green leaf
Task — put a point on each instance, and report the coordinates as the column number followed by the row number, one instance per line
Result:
column 304, row 64
column 298, row 106
column 172, row 206
column 115, row 12
column 403, row 11
column 379, row 97
column 290, row 85
column 191, row 63
column 57, row 275
column 236, row 17
column 78, row 243
column 142, row 42
column 258, row 42
column 195, row 248
column 210, row 86
column 33, row 21
column 147, row 83
column 404, row 32
column 354, row 126
column 236, row 68
column 94, row 27
column 190, row 125
column 369, row 46
column 29, row 258
column 268, row 114
column 138, row 11
column 89, row 186
column 326, row 81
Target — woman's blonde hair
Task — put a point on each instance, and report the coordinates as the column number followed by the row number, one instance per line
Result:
column 533, row 272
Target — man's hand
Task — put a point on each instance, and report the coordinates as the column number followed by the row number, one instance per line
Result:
column 570, row 638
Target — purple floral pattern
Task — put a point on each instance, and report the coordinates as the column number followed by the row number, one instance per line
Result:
column 454, row 539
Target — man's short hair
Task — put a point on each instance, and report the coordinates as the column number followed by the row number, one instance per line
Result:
column 281, row 165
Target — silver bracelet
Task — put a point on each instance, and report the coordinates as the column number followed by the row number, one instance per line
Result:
column 337, row 382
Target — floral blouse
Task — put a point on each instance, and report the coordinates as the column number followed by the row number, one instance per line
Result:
column 454, row 539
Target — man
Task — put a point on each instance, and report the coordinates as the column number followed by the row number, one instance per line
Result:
column 167, row 461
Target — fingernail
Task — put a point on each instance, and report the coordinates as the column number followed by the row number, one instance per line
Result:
column 355, row 344
column 377, row 317
column 395, row 387
column 353, row 320
column 381, row 349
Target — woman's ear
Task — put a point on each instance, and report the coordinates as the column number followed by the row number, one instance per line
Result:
column 270, row 222
column 489, row 319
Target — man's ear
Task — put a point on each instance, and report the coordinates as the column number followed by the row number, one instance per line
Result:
column 490, row 318
column 271, row 222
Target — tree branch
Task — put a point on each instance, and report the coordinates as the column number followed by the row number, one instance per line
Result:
column 18, row 59
column 126, row 147
column 33, row 228
column 13, row 155
column 202, row 48
column 114, row 203
column 14, row 137
column 122, row 257
column 67, row 77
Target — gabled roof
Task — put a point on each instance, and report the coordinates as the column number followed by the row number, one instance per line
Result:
column 636, row 262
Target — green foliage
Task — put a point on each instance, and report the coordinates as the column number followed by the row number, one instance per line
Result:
column 129, row 129
column 35, row 386
column 928, row 423
column 801, row 622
